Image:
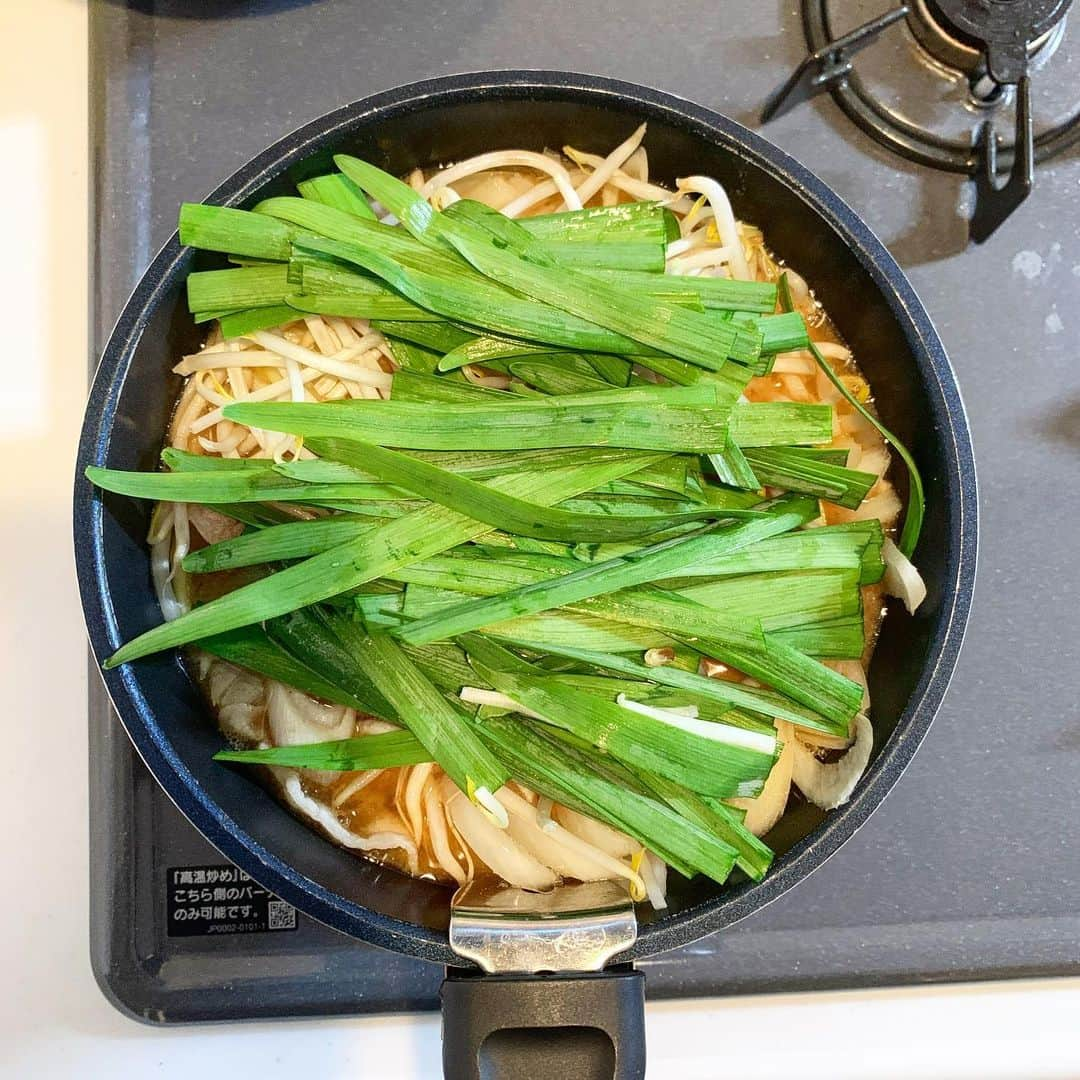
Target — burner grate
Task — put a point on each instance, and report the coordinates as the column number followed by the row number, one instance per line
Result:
column 995, row 44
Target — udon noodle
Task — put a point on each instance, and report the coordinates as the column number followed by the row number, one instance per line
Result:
column 413, row 818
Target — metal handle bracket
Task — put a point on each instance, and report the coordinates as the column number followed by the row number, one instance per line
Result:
column 571, row 928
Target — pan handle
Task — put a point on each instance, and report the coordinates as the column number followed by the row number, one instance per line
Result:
column 585, row 1026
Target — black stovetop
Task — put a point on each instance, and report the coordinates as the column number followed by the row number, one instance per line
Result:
column 970, row 870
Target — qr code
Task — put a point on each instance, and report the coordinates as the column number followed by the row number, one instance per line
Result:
column 281, row 916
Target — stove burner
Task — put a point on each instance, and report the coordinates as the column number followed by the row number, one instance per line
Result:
column 995, row 43
column 1006, row 32
column 945, row 40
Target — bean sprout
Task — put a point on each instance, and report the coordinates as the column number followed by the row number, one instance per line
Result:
column 725, row 219
column 502, row 159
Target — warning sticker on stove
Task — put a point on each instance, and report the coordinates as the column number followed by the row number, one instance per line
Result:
column 205, row 900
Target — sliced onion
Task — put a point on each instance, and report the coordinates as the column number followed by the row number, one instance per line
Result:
column 414, row 798
column 831, row 350
column 901, row 578
column 547, row 846
column 439, row 835
column 796, row 362
column 296, row 718
column 850, row 669
column 487, row 802
column 764, row 811
column 328, row 821
column 399, row 793
column 239, row 697
column 793, row 388
column 855, row 426
column 355, row 785
column 883, row 505
column 372, row 725
column 496, row 848
column 607, row 839
column 231, row 685
column 445, row 789
column 495, row 188
column 544, row 807
column 247, row 723
column 203, row 663
column 221, row 677
column 654, row 875
column 875, row 459
column 181, row 545
column 574, row 850
column 830, row 785
column 161, row 523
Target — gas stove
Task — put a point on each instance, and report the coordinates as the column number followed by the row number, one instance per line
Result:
column 978, row 57
column 944, row 122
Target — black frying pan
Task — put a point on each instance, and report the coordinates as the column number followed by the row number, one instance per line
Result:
column 873, row 305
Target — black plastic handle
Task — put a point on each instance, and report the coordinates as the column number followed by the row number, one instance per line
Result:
column 588, row 1026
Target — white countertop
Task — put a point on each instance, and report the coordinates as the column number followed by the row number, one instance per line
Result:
column 54, row 1022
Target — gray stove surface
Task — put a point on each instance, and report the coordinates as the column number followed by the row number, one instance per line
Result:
column 971, row 869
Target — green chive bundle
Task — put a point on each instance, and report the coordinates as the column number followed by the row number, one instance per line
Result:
column 493, row 571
